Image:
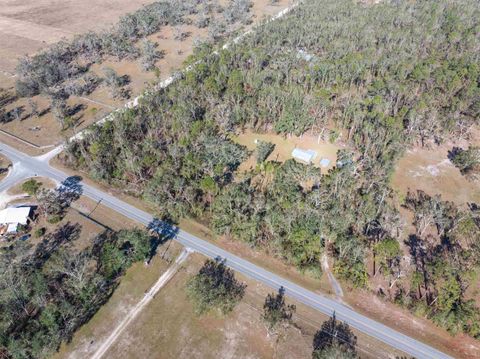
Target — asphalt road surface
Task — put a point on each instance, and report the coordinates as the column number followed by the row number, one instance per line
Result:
column 25, row 166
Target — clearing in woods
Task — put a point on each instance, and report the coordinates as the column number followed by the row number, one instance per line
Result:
column 284, row 146
column 29, row 25
column 431, row 171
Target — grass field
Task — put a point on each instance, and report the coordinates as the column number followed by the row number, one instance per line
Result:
column 168, row 327
column 29, row 25
column 431, row 171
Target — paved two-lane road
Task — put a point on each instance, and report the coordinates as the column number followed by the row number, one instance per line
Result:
column 26, row 166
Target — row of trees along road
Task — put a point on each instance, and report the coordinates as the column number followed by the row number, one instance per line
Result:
column 387, row 76
column 65, row 68
column 215, row 287
column 62, row 69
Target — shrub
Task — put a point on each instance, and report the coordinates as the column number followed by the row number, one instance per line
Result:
column 39, row 232
column 31, row 186
column 264, row 149
column 54, row 219
column 213, row 287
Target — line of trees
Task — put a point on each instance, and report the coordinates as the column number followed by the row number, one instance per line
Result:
column 62, row 69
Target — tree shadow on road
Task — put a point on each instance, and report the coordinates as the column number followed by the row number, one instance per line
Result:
column 71, row 185
column 163, row 231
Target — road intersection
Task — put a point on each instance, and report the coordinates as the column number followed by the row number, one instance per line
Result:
column 25, row 166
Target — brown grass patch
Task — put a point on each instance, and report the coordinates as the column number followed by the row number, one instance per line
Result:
column 284, row 145
column 431, row 171
column 131, row 289
column 168, row 328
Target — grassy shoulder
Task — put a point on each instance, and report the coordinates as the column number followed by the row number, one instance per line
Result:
column 136, row 281
column 169, row 327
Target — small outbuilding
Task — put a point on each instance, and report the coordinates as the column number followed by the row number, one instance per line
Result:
column 10, row 218
column 306, row 156
column 324, row 162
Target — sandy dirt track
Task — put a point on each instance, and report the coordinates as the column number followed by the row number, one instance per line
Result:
column 138, row 308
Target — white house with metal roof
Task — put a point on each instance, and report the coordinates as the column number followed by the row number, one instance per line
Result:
column 306, row 156
column 10, row 218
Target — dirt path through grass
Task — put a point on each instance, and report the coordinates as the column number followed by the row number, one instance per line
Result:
column 333, row 281
column 138, row 308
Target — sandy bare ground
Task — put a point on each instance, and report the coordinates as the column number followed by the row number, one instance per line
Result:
column 333, row 281
column 138, row 308
column 28, row 25
column 431, row 171
column 31, row 31
column 6, row 198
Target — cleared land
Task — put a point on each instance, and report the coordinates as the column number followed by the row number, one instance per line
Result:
column 284, row 146
column 168, row 328
column 431, row 171
column 46, row 22
column 29, row 25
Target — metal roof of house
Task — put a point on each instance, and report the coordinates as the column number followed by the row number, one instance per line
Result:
column 12, row 228
column 304, row 155
column 14, row 215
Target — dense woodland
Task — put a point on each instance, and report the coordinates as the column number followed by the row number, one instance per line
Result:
column 388, row 76
column 49, row 290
